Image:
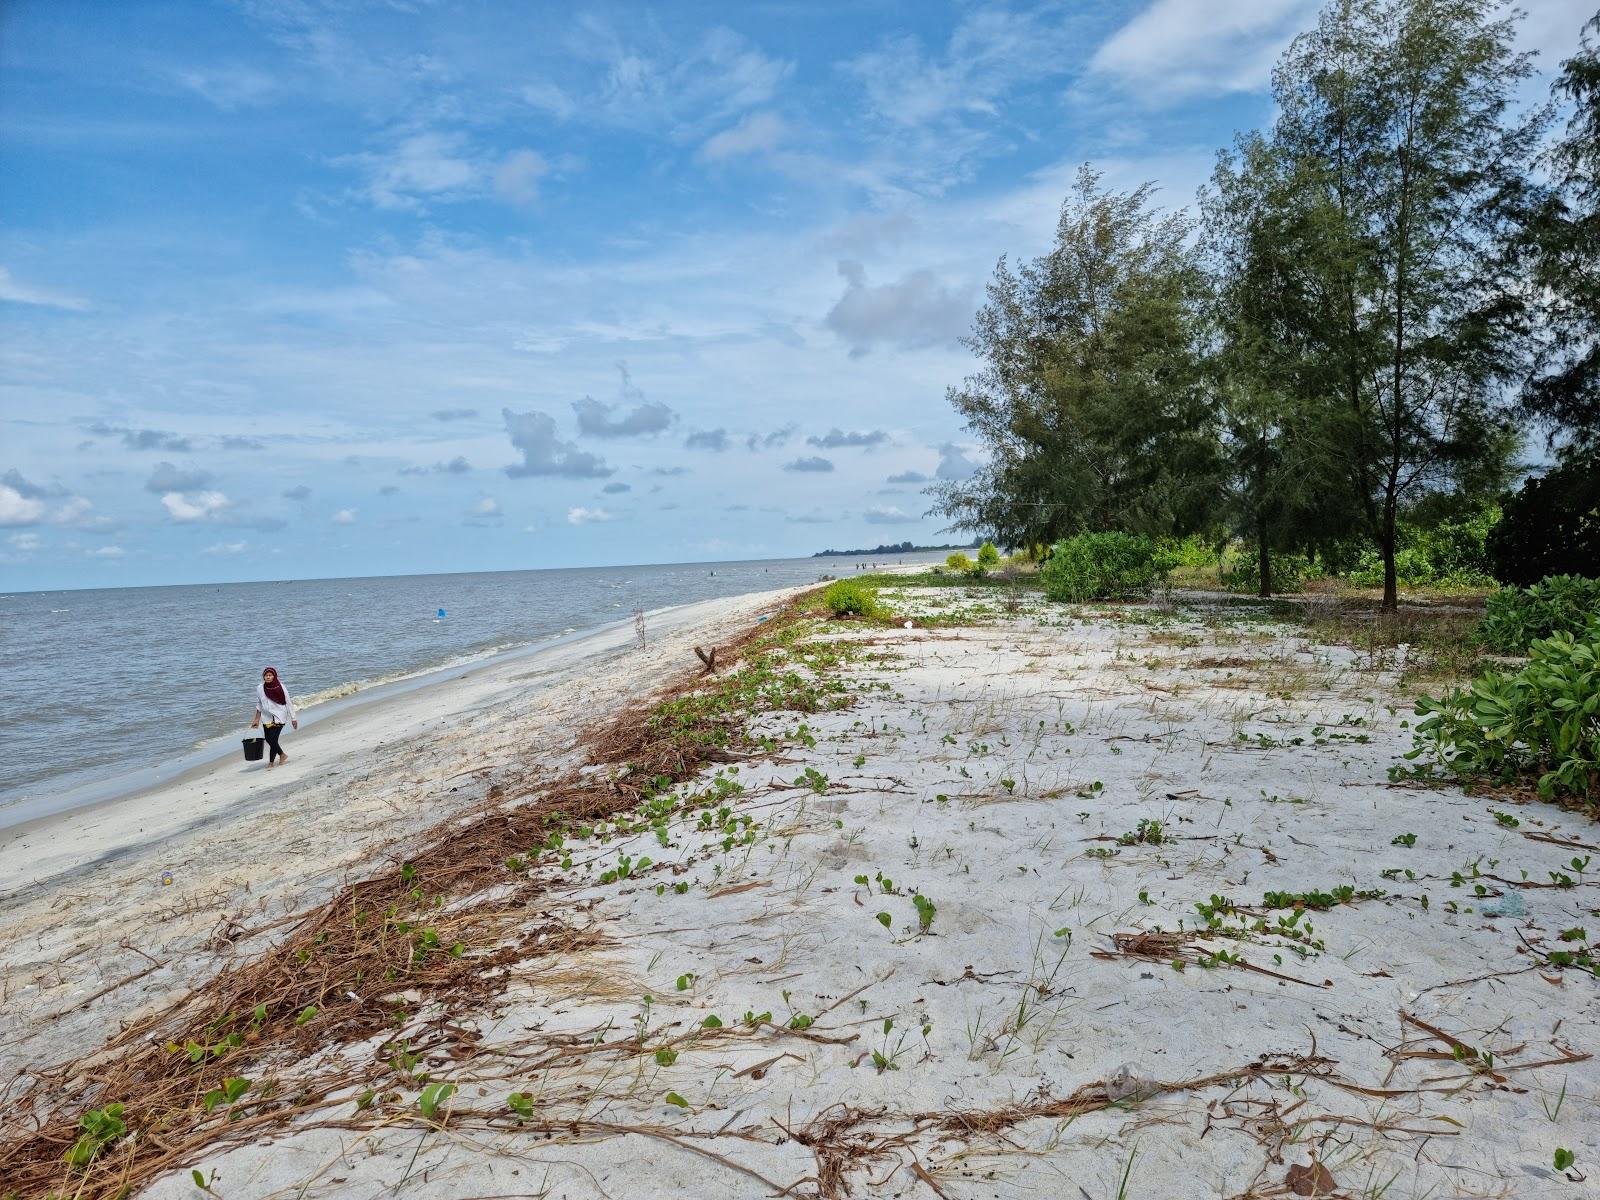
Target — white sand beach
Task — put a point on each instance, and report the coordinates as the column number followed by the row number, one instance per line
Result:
column 941, row 941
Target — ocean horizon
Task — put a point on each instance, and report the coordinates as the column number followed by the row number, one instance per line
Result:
column 101, row 681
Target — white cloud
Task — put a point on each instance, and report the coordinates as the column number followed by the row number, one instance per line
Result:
column 533, row 434
column 487, row 507
column 953, row 463
column 757, row 133
column 345, row 516
column 1179, row 48
column 185, row 507
column 21, row 293
column 107, row 552
column 587, row 516
column 222, row 548
column 17, row 509
column 25, row 543
column 886, row 514
column 73, row 511
column 912, row 312
column 431, row 165
column 516, row 179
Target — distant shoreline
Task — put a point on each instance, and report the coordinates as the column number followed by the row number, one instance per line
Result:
column 899, row 548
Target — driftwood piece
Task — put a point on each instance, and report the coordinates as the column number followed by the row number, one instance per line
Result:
column 710, row 660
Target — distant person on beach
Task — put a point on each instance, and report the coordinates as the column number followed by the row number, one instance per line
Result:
column 273, row 703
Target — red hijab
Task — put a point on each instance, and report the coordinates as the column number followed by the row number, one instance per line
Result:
column 274, row 686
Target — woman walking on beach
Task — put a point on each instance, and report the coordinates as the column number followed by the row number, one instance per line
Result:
column 273, row 703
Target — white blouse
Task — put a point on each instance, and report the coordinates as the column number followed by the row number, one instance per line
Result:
column 275, row 713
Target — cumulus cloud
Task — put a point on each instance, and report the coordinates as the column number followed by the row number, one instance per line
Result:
column 143, row 439
column 453, row 414
column 345, row 516
column 23, row 486
column 834, row 439
column 168, row 478
column 15, row 292
column 456, row 466
column 222, row 548
column 517, row 176
column 595, row 420
column 300, row 492
column 25, row 543
column 616, row 489
column 485, row 512
column 813, row 518
column 186, row 508
column 910, row 477
column 533, row 435
column 430, row 165
column 886, row 514
column 814, row 463
column 915, row 311
column 756, row 133
column 17, row 509
column 669, row 471
column 953, row 463
column 707, row 439
column 109, row 552
column 587, row 516
column 231, row 442
column 778, row 437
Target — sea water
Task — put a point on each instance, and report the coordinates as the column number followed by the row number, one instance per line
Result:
column 95, row 683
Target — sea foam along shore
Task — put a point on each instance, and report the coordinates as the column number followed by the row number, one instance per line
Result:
column 1056, row 902
column 82, row 893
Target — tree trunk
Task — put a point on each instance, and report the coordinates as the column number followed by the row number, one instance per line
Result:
column 1386, row 541
column 1265, row 560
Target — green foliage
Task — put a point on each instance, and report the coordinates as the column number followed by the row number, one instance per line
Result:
column 1543, row 721
column 1514, row 618
column 960, row 564
column 1101, row 566
column 1243, row 573
column 1449, row 552
column 988, row 558
column 101, row 1127
column 851, row 598
column 1089, row 391
column 1552, row 525
column 434, row 1097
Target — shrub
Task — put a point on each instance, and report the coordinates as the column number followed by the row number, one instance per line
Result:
column 1515, row 617
column 1551, row 526
column 852, row 598
column 960, row 564
column 1543, row 721
column 988, row 558
column 1451, row 552
column 1289, row 571
column 1100, row 566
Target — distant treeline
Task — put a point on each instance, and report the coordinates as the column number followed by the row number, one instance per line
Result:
column 897, row 548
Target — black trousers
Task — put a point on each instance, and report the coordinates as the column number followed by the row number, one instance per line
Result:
column 275, row 750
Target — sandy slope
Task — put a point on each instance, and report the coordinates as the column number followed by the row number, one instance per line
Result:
column 82, row 905
column 991, row 768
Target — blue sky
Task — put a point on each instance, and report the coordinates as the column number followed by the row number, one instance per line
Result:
column 332, row 287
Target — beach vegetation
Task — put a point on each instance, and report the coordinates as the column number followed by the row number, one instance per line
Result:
column 1100, row 566
column 1540, row 723
column 960, row 564
column 521, row 1105
column 1516, row 617
column 925, row 911
column 852, row 598
column 101, row 1128
column 433, row 1098
column 1551, row 524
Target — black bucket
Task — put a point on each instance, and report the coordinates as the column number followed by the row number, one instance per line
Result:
column 254, row 748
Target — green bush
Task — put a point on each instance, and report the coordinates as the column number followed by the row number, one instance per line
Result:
column 960, row 564
column 1243, row 574
column 1101, row 566
column 1515, row 617
column 1543, row 721
column 1195, row 552
column 988, row 558
column 1551, row 525
column 852, row 598
column 1451, row 552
